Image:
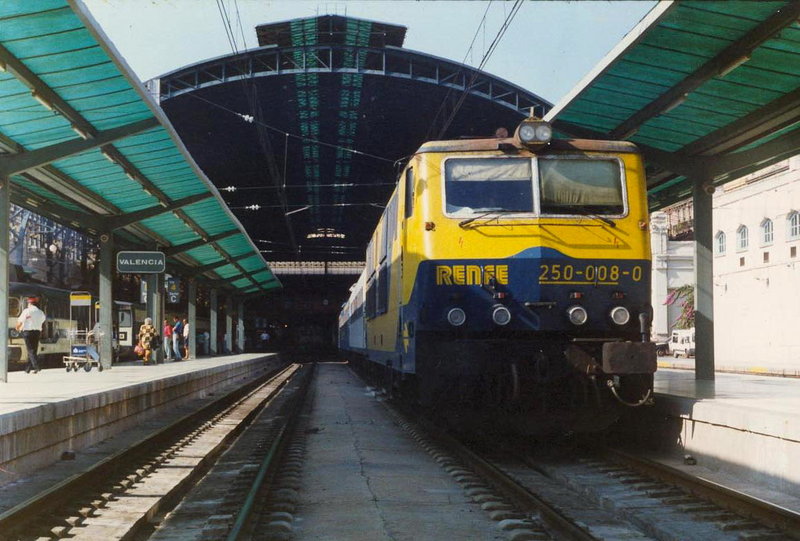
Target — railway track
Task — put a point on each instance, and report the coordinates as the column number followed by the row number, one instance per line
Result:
column 233, row 473
column 598, row 494
column 119, row 497
column 753, row 516
column 253, row 488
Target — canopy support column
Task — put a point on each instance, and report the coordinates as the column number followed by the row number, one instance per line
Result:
column 212, row 321
column 228, row 323
column 106, row 300
column 155, row 287
column 192, row 316
column 240, row 327
column 704, row 278
column 5, row 216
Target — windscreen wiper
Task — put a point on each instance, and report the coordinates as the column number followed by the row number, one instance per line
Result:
column 583, row 211
column 486, row 212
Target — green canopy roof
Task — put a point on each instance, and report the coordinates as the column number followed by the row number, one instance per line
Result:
column 707, row 89
column 83, row 143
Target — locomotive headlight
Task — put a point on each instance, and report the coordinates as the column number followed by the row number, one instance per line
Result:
column 620, row 315
column 501, row 315
column 534, row 131
column 577, row 315
column 527, row 133
column 456, row 317
column 544, row 132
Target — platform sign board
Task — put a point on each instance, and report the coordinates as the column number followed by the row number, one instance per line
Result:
column 172, row 285
column 141, row 262
column 80, row 298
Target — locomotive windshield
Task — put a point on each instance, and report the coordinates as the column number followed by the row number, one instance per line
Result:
column 565, row 186
column 579, row 186
column 483, row 184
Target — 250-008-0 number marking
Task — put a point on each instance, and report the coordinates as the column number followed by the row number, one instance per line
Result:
column 590, row 274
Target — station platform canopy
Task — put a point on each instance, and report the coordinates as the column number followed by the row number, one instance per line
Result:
column 83, row 143
column 709, row 90
column 306, row 134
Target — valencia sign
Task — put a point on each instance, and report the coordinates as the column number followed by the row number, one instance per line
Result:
column 141, row 262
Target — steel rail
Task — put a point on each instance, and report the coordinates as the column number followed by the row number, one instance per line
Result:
column 770, row 514
column 55, row 496
column 526, row 501
column 269, row 462
column 521, row 496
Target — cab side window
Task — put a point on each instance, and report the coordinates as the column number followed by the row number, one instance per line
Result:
column 409, row 192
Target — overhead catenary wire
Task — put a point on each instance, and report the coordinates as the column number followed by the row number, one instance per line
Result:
column 251, row 95
column 304, row 207
column 450, row 91
column 307, row 187
column 251, row 120
column 487, row 55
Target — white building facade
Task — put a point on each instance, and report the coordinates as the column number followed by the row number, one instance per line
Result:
column 757, row 268
column 673, row 267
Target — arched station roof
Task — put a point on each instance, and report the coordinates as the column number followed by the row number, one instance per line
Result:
column 709, row 90
column 82, row 143
column 309, row 129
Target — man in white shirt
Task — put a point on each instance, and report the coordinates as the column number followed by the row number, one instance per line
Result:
column 30, row 322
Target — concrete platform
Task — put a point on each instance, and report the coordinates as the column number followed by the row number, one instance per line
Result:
column 743, row 426
column 759, row 368
column 365, row 479
column 42, row 415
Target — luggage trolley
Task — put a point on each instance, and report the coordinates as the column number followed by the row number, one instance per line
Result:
column 82, row 350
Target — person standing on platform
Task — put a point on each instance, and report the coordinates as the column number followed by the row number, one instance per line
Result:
column 147, row 334
column 30, row 322
column 177, row 336
column 186, row 331
column 167, row 340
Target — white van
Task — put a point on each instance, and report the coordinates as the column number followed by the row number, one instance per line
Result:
column 682, row 342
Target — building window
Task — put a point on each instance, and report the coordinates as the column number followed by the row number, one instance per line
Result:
column 793, row 251
column 766, row 257
column 767, row 233
column 741, row 262
column 741, row 238
column 794, row 225
column 719, row 243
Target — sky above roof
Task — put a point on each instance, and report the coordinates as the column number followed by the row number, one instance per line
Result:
column 548, row 46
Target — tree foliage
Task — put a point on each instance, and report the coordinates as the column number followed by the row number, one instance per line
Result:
column 683, row 295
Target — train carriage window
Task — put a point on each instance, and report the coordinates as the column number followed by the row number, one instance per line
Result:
column 579, row 185
column 409, row 193
column 382, row 292
column 50, row 334
column 383, row 247
column 488, row 184
column 370, row 264
column 390, row 229
column 371, row 298
column 14, row 305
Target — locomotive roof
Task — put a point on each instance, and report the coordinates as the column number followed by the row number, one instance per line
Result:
column 474, row 145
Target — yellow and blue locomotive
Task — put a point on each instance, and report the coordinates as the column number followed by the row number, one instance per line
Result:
column 512, row 272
